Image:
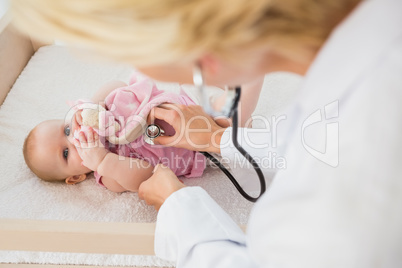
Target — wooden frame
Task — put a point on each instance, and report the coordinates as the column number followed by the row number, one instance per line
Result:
column 82, row 237
column 15, row 52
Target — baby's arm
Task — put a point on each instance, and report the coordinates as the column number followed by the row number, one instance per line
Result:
column 105, row 90
column 119, row 174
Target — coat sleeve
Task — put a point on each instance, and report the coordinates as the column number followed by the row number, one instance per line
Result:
column 194, row 231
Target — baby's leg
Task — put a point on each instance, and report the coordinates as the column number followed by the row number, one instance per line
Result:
column 248, row 101
column 105, row 90
column 249, row 98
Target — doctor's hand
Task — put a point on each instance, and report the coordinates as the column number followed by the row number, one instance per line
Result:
column 195, row 129
column 159, row 186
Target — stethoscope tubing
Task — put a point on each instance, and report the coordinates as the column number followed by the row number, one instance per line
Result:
column 234, row 115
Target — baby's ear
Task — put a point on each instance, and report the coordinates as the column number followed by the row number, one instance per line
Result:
column 76, row 179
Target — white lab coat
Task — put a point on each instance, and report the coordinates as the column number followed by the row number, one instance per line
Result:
column 338, row 202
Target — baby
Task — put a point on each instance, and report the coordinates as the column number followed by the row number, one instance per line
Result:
column 67, row 151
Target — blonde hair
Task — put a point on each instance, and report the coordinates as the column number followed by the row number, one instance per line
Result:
column 27, row 150
column 157, row 32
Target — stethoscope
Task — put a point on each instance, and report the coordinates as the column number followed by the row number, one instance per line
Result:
column 153, row 131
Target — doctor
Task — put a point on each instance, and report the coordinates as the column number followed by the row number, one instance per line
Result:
column 338, row 201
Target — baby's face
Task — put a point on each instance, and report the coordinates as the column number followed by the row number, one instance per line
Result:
column 54, row 152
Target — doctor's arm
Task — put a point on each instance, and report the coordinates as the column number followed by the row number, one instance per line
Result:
column 195, row 130
column 192, row 229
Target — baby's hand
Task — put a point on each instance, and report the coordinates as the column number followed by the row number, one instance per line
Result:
column 76, row 122
column 90, row 149
column 78, row 117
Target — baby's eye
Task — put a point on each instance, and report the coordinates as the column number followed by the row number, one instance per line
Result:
column 65, row 153
column 67, row 131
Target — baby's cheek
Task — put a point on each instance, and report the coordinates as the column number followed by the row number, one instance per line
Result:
column 74, row 154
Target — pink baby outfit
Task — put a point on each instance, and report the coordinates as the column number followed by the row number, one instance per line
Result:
column 129, row 106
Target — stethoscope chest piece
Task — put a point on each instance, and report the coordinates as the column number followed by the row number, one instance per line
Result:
column 152, row 131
